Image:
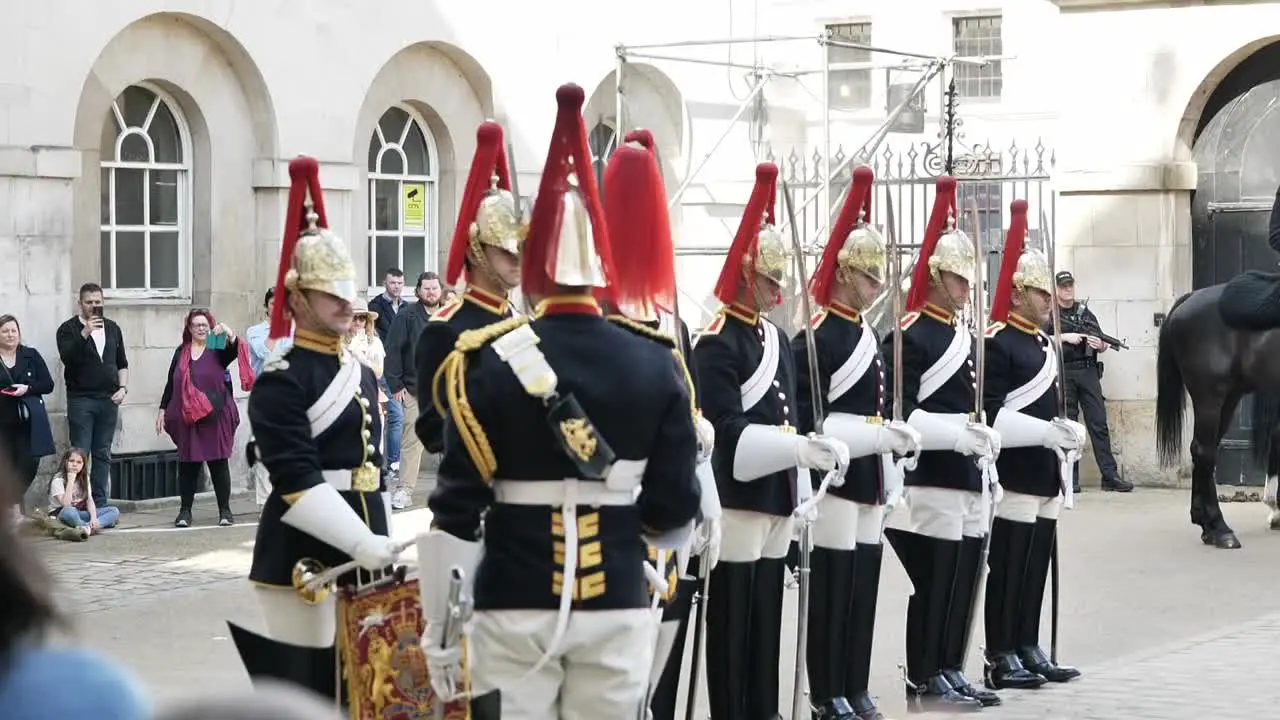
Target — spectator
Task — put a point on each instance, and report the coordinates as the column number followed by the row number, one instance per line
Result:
column 38, row 680
column 71, row 502
column 388, row 305
column 401, row 374
column 96, row 372
column 24, row 423
column 362, row 340
column 199, row 412
column 260, row 346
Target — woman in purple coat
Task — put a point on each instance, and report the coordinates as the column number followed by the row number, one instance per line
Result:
column 198, row 410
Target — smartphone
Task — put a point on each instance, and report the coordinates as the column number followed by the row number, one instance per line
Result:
column 96, row 311
column 216, row 341
column 9, row 391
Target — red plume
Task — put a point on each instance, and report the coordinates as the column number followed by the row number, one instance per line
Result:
column 490, row 159
column 643, row 137
column 569, row 153
column 1014, row 241
column 859, row 197
column 741, row 253
column 635, row 206
column 304, row 178
column 943, row 202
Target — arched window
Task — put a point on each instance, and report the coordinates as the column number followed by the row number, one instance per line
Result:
column 602, row 140
column 402, row 196
column 146, row 196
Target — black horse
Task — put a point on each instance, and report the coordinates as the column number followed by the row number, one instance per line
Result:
column 1220, row 343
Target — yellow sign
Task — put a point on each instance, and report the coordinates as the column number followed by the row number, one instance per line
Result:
column 415, row 206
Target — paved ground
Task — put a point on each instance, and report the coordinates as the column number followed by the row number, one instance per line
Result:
column 1162, row 626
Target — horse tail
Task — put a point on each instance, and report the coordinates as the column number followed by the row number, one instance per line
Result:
column 1266, row 416
column 1170, row 397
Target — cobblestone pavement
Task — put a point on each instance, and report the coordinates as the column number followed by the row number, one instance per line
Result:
column 1160, row 624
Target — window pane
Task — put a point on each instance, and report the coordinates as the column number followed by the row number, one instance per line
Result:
column 415, row 256
column 386, row 206
column 104, row 210
column 164, row 136
column 131, row 260
column 415, row 147
column 392, row 124
column 392, row 162
column 104, row 258
column 129, row 189
column 134, row 149
column 374, row 147
column 164, row 197
column 134, row 103
column 386, row 252
column 164, row 260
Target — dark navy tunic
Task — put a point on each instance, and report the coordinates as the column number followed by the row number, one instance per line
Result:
column 628, row 389
column 726, row 355
column 837, row 331
column 475, row 309
column 925, row 338
column 1016, row 352
column 278, row 404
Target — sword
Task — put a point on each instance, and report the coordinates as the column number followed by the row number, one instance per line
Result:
column 328, row 577
column 907, row 462
column 1051, row 252
column 515, row 197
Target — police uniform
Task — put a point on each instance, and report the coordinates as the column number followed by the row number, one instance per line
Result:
column 1021, row 399
column 1084, row 393
column 487, row 218
column 313, row 415
column 748, row 382
column 939, row 537
column 570, row 442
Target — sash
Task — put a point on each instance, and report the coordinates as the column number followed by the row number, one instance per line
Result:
column 952, row 360
column 758, row 384
column 335, row 398
column 1022, row 396
column 848, row 374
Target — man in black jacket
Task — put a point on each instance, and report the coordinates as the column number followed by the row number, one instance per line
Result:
column 96, row 371
column 401, row 375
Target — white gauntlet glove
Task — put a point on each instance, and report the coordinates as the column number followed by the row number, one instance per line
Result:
column 898, row 438
column 823, row 453
column 1066, row 435
column 978, row 439
column 375, row 552
column 706, row 437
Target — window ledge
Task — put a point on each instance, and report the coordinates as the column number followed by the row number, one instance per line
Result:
column 126, row 300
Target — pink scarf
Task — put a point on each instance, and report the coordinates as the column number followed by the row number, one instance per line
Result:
column 195, row 404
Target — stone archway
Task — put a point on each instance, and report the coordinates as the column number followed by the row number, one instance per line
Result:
column 653, row 102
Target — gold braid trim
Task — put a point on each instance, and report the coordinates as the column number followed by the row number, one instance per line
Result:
column 453, row 373
column 665, row 339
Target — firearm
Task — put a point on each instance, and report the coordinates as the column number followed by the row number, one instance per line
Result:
column 1079, row 324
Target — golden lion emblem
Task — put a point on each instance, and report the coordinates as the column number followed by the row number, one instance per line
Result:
column 580, row 437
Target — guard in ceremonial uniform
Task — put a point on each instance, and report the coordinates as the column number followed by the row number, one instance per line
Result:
column 313, row 413
column 940, row 535
column 748, row 383
column 635, row 206
column 1021, row 396
column 486, row 245
column 573, row 439
column 845, row 561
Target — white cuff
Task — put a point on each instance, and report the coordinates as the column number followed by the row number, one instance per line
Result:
column 710, row 506
column 938, row 431
column 764, row 450
column 676, row 539
column 325, row 515
column 1019, row 430
column 862, row 437
column 438, row 554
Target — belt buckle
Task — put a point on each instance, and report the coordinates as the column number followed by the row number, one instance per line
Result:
column 365, row 478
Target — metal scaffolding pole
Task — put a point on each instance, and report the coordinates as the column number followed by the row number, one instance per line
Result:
column 725, row 41
column 826, row 137
column 760, row 81
column 619, row 119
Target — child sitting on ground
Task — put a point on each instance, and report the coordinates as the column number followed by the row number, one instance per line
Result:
column 72, row 503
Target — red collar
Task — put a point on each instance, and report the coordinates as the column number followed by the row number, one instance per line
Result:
column 844, row 311
column 1023, row 324
column 743, row 313
column 939, row 313
column 568, row 305
column 485, row 299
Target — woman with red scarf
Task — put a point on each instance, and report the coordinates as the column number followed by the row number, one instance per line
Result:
column 198, row 409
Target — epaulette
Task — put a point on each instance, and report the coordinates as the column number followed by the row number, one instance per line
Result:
column 994, row 328
column 715, row 326
column 818, row 318
column 908, row 320
column 643, row 330
column 446, row 311
column 277, row 359
column 472, row 340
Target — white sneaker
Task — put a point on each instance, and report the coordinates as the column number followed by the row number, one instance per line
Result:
column 400, row 500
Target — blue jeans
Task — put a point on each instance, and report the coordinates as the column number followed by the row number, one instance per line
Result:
column 92, row 424
column 395, row 425
column 107, row 516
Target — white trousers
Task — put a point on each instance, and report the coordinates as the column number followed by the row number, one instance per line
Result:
column 941, row 513
column 1018, row 507
column 600, row 668
column 844, row 524
column 750, row 536
column 261, row 483
column 292, row 621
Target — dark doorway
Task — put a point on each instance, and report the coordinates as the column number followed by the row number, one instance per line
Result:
column 1236, row 149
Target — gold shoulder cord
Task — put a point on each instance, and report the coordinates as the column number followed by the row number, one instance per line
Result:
column 453, row 373
column 668, row 340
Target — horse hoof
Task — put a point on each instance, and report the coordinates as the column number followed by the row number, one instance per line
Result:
column 1226, row 541
column 1273, row 520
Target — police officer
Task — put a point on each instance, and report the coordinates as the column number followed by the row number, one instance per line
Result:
column 486, row 246
column 1021, row 398
column 314, row 416
column 939, row 538
column 847, row 553
column 1084, row 387
column 555, row 424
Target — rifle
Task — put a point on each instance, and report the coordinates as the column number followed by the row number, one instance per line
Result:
column 1076, row 324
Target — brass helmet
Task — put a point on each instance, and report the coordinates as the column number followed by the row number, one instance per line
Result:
column 953, row 253
column 757, row 246
column 771, row 254
column 577, row 263
column 498, row 222
column 866, row 250
column 1033, row 272
column 488, row 213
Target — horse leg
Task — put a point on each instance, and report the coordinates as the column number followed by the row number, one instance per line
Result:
column 1269, row 491
column 1208, row 432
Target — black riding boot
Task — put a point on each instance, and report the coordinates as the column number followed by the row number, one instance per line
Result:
column 862, row 628
column 766, row 640
column 931, row 565
column 831, row 589
column 960, row 613
column 1010, row 544
column 314, row 669
column 664, row 700
column 1028, row 637
column 487, row 706
column 728, row 611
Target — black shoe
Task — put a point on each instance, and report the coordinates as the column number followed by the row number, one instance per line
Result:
column 1006, row 672
column 936, row 694
column 835, row 709
column 864, row 708
column 1117, row 485
column 1075, row 489
column 225, row 518
column 184, row 519
column 1034, row 659
column 962, row 685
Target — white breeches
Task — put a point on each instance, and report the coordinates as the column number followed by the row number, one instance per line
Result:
column 749, row 536
column 261, row 483
column 941, row 513
column 600, row 668
column 290, row 620
column 1017, row 507
column 844, row 524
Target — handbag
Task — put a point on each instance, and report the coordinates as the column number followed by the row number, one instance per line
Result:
column 24, row 414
